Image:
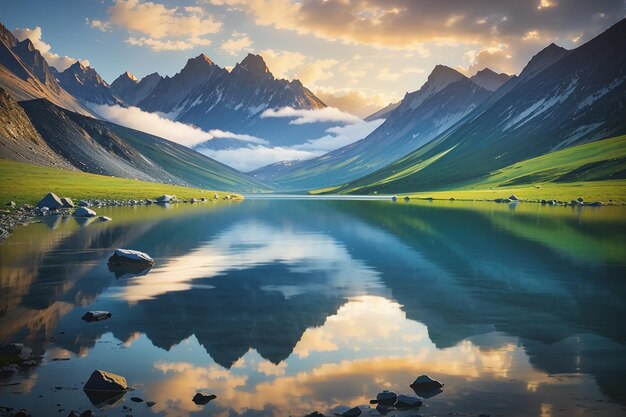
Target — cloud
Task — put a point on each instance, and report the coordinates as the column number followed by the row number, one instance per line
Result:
column 409, row 24
column 169, row 45
column 498, row 59
column 341, row 136
column 392, row 75
column 352, row 101
column 251, row 157
column 159, row 27
column 290, row 65
column 154, row 124
column 102, row 26
column 301, row 116
column 236, row 43
column 59, row 62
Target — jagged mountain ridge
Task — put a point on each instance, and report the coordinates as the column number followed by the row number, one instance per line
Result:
column 84, row 83
column 445, row 98
column 25, row 74
column 564, row 98
column 131, row 91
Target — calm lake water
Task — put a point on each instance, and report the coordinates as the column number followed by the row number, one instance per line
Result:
column 283, row 307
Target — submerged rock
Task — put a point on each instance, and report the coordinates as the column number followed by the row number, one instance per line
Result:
column 105, row 219
column 96, row 316
column 51, row 200
column 84, row 212
column 105, row 381
column 425, row 383
column 125, row 257
column 202, row 399
column 406, row 402
column 353, row 412
column 385, row 398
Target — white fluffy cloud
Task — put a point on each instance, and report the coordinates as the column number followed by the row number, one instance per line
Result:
column 159, row 27
column 256, row 156
column 152, row 123
column 339, row 136
column 352, row 101
column 237, row 42
column 59, row 62
column 290, row 64
column 301, row 116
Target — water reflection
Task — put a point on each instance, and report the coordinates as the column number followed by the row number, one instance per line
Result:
column 282, row 308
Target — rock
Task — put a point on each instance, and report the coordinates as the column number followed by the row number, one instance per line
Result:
column 73, row 414
column 105, row 219
column 215, row 196
column 407, row 198
column 84, row 212
column 499, row 200
column 596, row 204
column 151, row 403
column 353, row 412
column 125, row 257
column 105, row 381
column 17, row 349
column 11, row 204
column 385, row 398
column 202, row 399
column 425, row 383
column 136, row 399
column 87, row 413
column 51, row 200
column 574, row 202
column 67, row 202
column 193, row 200
column 394, row 198
column 9, row 370
column 513, row 197
column 96, row 316
column 315, row 414
column 22, row 413
column 406, row 402
column 83, row 203
column 580, row 199
column 165, row 199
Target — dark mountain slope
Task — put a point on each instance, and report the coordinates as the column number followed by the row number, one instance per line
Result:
column 579, row 98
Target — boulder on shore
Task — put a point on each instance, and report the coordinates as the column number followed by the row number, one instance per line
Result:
column 96, row 316
column 16, row 350
column 123, row 257
column 52, row 201
column 105, row 381
column 67, row 202
column 202, row 399
column 165, row 199
column 84, row 212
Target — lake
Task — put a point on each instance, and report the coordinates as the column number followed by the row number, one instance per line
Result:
column 281, row 307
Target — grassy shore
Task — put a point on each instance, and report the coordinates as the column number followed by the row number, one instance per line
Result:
column 595, row 171
column 27, row 183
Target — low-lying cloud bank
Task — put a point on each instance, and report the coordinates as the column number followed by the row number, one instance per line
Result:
column 302, row 116
column 254, row 152
column 157, row 125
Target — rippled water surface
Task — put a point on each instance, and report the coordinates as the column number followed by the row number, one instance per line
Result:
column 283, row 307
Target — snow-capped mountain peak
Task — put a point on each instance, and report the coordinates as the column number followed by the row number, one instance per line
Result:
column 255, row 64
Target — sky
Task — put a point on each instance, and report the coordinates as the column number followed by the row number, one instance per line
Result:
column 355, row 55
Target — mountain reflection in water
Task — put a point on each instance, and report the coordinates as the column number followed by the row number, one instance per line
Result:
column 285, row 307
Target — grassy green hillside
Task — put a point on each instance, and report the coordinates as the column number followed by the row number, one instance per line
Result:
column 27, row 183
column 594, row 171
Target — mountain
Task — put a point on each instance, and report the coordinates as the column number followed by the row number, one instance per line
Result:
column 446, row 97
column 210, row 97
column 25, row 74
column 555, row 103
column 84, row 83
column 383, row 113
column 105, row 148
column 19, row 139
column 490, row 80
column 170, row 93
column 128, row 89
